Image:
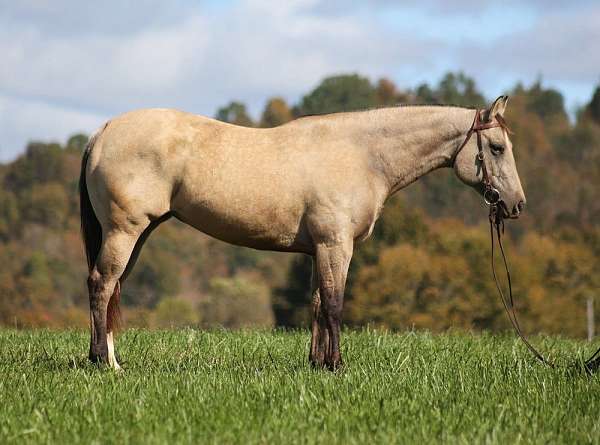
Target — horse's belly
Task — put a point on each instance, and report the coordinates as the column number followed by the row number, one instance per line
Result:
column 259, row 227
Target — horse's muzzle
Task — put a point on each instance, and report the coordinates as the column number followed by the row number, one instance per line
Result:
column 517, row 209
column 511, row 214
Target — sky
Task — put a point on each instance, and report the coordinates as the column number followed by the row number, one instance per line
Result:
column 67, row 66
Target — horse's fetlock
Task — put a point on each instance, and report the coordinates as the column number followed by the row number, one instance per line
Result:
column 98, row 353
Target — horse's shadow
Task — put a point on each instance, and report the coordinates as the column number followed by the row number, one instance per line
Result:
column 54, row 363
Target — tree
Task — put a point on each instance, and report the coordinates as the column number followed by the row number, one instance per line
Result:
column 41, row 163
column 77, row 143
column 172, row 312
column 339, row 93
column 291, row 302
column 9, row 215
column 425, row 94
column 235, row 113
column 426, row 263
column 388, row 94
column 459, row 89
column 454, row 88
column 411, row 287
column 276, row 113
column 45, row 204
column 236, row 302
column 546, row 102
column 594, row 106
column 155, row 276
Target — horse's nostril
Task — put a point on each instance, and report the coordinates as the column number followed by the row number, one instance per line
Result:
column 519, row 207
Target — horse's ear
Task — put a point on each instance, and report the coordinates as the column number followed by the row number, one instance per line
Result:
column 497, row 107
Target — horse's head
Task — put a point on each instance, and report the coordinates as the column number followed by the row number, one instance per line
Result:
column 486, row 162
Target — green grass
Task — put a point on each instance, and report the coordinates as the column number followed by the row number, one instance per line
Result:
column 191, row 386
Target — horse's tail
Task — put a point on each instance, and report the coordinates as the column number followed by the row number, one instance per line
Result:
column 91, row 231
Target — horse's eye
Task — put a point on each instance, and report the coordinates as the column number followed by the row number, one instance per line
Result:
column 496, row 149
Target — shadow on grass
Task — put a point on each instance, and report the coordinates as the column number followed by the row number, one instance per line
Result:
column 590, row 366
column 58, row 362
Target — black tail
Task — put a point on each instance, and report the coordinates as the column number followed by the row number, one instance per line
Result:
column 91, row 231
column 90, row 226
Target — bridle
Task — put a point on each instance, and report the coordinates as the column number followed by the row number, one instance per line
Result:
column 491, row 196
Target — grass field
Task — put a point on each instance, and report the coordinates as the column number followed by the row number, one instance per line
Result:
column 190, row 386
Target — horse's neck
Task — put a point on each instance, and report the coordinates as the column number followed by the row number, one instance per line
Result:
column 406, row 143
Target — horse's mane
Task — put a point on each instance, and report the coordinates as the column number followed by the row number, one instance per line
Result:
column 433, row 105
column 400, row 105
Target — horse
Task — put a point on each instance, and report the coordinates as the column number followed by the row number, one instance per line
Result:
column 315, row 185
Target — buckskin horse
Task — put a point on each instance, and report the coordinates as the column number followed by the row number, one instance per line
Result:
column 315, row 185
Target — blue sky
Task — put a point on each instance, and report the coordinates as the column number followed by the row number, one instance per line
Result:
column 69, row 65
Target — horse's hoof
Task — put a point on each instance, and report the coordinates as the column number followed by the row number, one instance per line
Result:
column 334, row 365
column 98, row 358
column 116, row 368
column 317, row 362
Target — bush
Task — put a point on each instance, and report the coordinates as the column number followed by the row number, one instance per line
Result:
column 174, row 312
column 237, row 302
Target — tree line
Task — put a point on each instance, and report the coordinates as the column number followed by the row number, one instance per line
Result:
column 425, row 266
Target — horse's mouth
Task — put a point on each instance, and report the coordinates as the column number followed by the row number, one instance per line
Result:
column 505, row 213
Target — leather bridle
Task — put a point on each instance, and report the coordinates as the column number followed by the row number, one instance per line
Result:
column 491, row 196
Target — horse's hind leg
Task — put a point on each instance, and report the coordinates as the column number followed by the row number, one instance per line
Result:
column 103, row 285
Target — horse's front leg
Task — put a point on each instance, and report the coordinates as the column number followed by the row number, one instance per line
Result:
column 332, row 269
column 319, row 343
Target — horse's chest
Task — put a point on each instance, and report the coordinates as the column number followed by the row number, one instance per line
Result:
column 367, row 223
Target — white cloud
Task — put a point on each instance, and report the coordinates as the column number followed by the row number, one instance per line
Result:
column 248, row 52
column 99, row 71
column 560, row 47
column 448, row 8
column 109, row 17
column 23, row 120
column 66, row 64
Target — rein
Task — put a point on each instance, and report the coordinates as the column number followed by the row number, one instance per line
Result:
column 491, row 196
column 497, row 222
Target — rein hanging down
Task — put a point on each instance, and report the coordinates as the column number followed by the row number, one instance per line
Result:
column 492, row 198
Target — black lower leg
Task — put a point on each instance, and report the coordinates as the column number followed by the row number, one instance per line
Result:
column 98, row 340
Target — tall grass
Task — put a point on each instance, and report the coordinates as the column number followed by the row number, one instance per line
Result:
column 243, row 387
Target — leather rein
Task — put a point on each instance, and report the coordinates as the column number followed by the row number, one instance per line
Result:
column 491, row 196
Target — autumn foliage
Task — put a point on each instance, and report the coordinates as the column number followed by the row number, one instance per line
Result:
column 425, row 266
